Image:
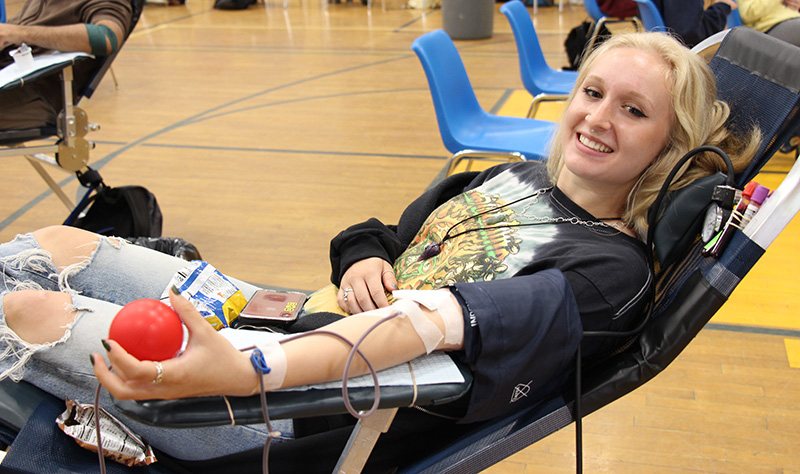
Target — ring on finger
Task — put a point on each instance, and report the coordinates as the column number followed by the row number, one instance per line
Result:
column 346, row 291
column 159, row 373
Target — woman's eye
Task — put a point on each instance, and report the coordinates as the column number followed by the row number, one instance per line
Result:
column 591, row 92
column 634, row 111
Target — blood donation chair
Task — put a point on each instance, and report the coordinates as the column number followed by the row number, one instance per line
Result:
column 754, row 76
column 759, row 77
column 63, row 146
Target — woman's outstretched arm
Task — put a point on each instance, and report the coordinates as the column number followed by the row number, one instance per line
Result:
column 210, row 365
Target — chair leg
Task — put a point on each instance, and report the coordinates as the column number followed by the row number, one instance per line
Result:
column 578, row 415
column 114, row 78
column 472, row 155
column 50, row 181
column 593, row 38
column 544, row 98
column 362, row 440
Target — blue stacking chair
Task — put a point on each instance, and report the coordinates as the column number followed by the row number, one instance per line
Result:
column 600, row 19
column 543, row 82
column 650, row 16
column 759, row 77
column 468, row 131
column 734, row 19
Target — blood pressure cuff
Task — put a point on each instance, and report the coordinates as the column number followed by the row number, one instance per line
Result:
column 521, row 337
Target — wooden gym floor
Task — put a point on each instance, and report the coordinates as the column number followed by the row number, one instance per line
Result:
column 266, row 131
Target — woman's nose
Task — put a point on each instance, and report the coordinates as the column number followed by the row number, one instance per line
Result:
column 599, row 118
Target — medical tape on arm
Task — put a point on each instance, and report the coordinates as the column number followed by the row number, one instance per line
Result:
column 443, row 302
column 275, row 358
column 98, row 34
column 426, row 329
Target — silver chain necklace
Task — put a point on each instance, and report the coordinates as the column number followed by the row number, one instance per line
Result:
column 574, row 220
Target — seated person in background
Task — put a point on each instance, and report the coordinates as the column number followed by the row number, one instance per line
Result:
column 92, row 26
column 520, row 259
column 618, row 8
column 778, row 18
column 691, row 22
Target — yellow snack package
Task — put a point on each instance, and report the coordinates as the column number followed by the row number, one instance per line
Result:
column 214, row 296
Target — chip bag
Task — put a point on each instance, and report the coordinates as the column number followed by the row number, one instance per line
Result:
column 214, row 296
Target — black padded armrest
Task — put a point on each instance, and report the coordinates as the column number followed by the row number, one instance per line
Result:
column 212, row 411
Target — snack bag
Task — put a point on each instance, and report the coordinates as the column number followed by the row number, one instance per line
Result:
column 120, row 444
column 214, row 296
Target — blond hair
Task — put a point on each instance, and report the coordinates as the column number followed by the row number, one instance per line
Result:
column 698, row 119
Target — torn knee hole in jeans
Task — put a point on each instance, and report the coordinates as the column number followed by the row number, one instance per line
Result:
column 19, row 351
column 38, row 261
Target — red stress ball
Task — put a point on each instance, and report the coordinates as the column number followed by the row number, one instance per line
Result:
column 148, row 330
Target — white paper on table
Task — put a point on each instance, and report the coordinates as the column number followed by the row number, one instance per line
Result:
column 13, row 73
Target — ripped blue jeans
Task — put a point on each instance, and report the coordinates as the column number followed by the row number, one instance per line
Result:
column 115, row 274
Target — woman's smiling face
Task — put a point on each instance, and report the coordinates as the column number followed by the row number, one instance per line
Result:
column 617, row 124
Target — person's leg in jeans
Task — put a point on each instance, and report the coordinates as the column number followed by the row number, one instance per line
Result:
column 61, row 288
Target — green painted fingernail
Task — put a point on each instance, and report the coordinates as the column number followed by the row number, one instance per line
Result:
column 91, row 359
column 105, row 344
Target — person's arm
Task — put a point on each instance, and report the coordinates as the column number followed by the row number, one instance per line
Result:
column 67, row 38
column 520, row 340
column 210, row 365
column 752, row 10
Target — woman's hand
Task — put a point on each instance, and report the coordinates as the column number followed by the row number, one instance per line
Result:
column 364, row 285
column 210, row 365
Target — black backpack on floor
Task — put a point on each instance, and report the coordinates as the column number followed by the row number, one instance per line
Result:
column 124, row 211
column 578, row 39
